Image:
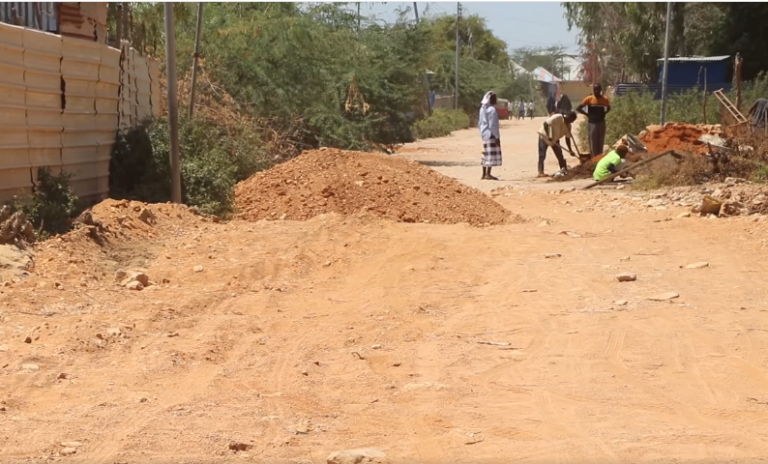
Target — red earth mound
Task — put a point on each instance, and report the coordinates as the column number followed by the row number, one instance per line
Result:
column 347, row 182
column 681, row 137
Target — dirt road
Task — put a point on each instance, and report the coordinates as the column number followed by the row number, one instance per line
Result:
column 458, row 156
column 289, row 340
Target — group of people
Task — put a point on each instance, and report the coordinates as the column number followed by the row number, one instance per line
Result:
column 554, row 128
column 524, row 110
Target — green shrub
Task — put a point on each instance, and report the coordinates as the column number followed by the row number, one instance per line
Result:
column 213, row 159
column 441, row 123
column 52, row 205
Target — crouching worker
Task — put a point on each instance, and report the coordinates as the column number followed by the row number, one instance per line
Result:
column 611, row 163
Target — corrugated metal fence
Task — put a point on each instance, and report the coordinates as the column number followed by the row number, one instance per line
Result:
column 61, row 104
column 43, row 16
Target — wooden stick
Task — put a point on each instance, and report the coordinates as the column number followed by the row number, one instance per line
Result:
column 636, row 165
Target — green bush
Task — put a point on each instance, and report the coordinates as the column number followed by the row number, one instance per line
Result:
column 441, row 123
column 213, row 159
column 52, row 205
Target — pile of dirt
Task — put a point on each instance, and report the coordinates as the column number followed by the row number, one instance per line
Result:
column 109, row 230
column 580, row 171
column 346, row 182
column 678, row 136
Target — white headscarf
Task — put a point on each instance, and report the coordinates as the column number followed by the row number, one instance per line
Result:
column 486, row 99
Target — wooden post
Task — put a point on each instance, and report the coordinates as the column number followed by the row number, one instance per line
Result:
column 705, row 95
column 739, row 61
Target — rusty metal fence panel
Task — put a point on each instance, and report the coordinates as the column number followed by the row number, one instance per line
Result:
column 14, row 146
column 43, row 16
column 62, row 100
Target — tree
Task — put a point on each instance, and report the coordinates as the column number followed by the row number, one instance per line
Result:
column 740, row 28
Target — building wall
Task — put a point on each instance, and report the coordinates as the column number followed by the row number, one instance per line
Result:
column 61, row 104
column 576, row 90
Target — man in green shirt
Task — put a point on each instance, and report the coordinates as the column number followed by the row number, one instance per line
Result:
column 611, row 163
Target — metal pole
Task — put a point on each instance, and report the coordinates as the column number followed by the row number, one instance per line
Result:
column 458, row 43
column 173, row 103
column 416, row 11
column 195, row 57
column 665, row 75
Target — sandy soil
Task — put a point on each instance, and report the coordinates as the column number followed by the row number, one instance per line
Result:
column 296, row 339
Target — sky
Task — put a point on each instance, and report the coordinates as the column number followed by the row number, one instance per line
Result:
column 519, row 24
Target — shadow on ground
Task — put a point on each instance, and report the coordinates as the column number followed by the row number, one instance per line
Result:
column 448, row 163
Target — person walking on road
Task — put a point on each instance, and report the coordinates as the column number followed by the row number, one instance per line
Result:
column 488, row 123
column 553, row 129
column 530, row 109
column 520, row 109
column 595, row 107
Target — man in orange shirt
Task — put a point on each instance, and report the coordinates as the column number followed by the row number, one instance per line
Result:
column 595, row 107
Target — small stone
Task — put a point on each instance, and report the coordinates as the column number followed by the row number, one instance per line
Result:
column 552, row 255
column 375, row 347
column 626, row 277
column 304, row 373
column 357, row 456
column 664, row 296
column 62, row 376
column 237, row 446
column 67, row 451
column 621, row 302
column 147, row 216
column 700, row 265
column 199, row 269
column 27, row 339
column 134, row 285
column 684, row 215
column 359, row 183
column 30, row 367
column 71, row 444
column 655, row 203
column 327, row 264
column 530, row 290
column 626, row 258
column 139, row 277
column 120, row 276
column 114, row 332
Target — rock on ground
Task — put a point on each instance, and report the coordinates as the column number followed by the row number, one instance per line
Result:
column 357, row 456
column 626, row 277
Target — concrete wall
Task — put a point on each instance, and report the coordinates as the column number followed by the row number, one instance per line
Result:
column 576, row 91
column 61, row 104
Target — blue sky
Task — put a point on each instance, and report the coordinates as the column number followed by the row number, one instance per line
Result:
column 520, row 24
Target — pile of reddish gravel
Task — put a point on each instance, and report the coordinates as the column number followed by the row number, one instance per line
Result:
column 678, row 136
column 346, row 182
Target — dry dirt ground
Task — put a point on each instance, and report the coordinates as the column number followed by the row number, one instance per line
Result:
column 295, row 339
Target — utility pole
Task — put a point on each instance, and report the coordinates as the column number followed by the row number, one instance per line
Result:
column 358, row 17
column 195, row 58
column 458, row 45
column 173, row 103
column 665, row 71
column 416, row 11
